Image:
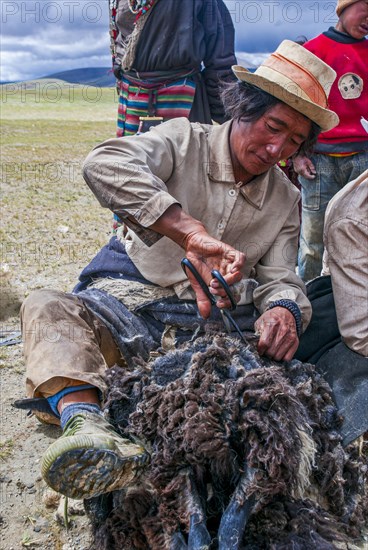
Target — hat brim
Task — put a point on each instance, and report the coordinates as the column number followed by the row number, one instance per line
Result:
column 325, row 118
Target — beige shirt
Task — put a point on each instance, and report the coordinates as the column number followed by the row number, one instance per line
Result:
column 190, row 164
column 346, row 259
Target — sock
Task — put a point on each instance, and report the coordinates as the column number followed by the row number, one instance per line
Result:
column 54, row 399
column 76, row 408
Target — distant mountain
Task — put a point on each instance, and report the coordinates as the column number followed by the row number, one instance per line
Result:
column 92, row 76
column 104, row 78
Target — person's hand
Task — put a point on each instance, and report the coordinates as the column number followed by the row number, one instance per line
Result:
column 207, row 253
column 303, row 166
column 204, row 252
column 278, row 337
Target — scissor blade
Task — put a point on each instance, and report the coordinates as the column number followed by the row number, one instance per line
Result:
column 229, row 321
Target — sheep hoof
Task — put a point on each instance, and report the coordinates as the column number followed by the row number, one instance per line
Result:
column 233, row 523
column 199, row 537
column 236, row 515
column 177, row 542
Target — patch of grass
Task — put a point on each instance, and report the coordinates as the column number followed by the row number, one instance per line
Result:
column 3, row 358
column 51, row 223
column 6, row 449
column 28, row 542
column 12, row 357
column 29, row 519
column 57, row 100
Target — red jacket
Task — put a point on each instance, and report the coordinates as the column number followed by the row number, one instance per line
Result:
column 349, row 93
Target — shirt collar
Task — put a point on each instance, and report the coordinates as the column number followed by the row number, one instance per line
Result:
column 342, row 37
column 255, row 191
column 220, row 168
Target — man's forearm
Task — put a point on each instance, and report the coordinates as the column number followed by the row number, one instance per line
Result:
column 177, row 225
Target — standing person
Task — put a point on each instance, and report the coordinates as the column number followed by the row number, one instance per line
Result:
column 341, row 154
column 345, row 366
column 169, row 57
column 210, row 193
column 337, row 337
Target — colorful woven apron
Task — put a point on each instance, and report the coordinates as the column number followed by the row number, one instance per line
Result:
column 168, row 100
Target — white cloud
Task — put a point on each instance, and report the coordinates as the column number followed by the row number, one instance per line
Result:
column 43, row 37
column 250, row 60
column 40, row 37
column 46, row 45
column 262, row 25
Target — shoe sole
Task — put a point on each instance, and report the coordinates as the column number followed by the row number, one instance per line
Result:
column 87, row 473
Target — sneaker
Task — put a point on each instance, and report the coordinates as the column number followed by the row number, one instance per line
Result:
column 91, row 459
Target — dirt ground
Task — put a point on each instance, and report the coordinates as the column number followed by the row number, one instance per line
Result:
column 51, row 226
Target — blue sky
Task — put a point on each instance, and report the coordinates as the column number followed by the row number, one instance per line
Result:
column 40, row 37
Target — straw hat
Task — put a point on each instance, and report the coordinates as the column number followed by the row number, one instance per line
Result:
column 298, row 78
column 342, row 4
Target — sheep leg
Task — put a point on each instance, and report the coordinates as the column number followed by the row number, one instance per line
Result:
column 98, row 508
column 177, row 542
column 192, row 508
column 236, row 515
column 198, row 538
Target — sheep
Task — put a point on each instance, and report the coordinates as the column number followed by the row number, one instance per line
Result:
column 245, row 454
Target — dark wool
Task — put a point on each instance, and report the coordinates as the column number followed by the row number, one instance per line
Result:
column 245, row 454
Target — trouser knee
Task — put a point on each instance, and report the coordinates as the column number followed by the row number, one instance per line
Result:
column 64, row 341
column 37, row 301
column 38, row 304
column 40, row 312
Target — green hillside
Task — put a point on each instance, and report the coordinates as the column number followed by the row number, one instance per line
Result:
column 57, row 99
column 94, row 76
column 51, row 224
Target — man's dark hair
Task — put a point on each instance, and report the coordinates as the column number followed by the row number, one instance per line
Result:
column 247, row 102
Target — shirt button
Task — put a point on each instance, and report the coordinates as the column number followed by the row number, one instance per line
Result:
column 232, row 192
column 220, row 225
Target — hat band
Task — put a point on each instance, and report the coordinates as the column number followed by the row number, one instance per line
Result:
column 300, row 76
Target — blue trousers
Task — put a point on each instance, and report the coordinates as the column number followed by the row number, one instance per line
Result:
column 333, row 173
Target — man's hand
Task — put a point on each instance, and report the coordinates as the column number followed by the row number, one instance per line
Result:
column 303, row 166
column 278, row 337
column 206, row 254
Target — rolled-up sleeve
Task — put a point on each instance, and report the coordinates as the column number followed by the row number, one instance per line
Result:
column 128, row 175
column 346, row 241
column 276, row 274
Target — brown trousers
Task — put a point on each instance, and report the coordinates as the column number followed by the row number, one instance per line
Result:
column 65, row 344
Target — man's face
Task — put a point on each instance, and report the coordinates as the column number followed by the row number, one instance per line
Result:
column 354, row 20
column 256, row 146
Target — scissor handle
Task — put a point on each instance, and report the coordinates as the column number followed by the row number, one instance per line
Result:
column 187, row 264
column 217, row 275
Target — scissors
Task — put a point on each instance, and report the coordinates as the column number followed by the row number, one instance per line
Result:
column 227, row 318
